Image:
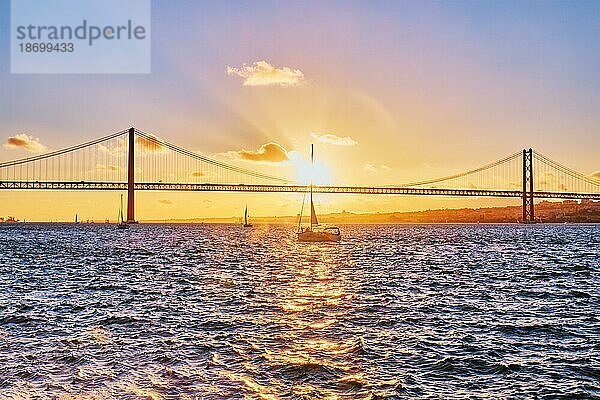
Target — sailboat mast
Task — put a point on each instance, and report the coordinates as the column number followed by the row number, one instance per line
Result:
column 313, row 217
column 121, row 209
column 246, row 216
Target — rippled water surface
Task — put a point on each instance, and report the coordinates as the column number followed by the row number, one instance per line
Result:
column 219, row 312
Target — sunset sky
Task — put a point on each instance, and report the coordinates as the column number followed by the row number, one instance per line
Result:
column 389, row 92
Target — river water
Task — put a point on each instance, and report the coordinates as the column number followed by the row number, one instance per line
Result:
column 222, row 312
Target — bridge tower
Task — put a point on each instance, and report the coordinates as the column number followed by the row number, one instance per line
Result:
column 528, row 207
column 131, row 177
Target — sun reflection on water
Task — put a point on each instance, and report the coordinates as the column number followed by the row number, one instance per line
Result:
column 314, row 295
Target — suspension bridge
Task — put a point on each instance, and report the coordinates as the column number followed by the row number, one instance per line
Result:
column 135, row 160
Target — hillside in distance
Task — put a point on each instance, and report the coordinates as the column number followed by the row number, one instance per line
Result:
column 572, row 211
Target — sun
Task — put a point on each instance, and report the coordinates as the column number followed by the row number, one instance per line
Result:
column 304, row 170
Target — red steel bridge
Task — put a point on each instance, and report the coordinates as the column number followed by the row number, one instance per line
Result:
column 134, row 160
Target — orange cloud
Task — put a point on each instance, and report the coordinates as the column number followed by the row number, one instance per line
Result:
column 334, row 140
column 165, row 201
column 198, row 174
column 261, row 73
column 596, row 175
column 102, row 167
column 151, row 144
column 25, row 142
column 268, row 152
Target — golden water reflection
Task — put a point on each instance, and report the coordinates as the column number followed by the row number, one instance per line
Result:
column 312, row 295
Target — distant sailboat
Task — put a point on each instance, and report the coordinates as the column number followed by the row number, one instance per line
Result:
column 246, row 224
column 121, row 224
column 312, row 233
column 76, row 220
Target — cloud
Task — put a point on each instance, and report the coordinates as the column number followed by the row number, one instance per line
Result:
column 261, row 73
column 334, row 140
column 370, row 168
column 268, row 152
column 374, row 168
column 152, row 143
column 596, row 175
column 164, row 201
column 116, row 149
column 198, row 174
column 25, row 142
column 102, row 167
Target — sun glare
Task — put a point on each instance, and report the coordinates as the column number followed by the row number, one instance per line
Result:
column 304, row 171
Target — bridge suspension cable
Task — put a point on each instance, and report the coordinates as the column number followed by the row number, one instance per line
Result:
column 63, row 151
column 165, row 165
column 552, row 176
column 101, row 159
column 502, row 174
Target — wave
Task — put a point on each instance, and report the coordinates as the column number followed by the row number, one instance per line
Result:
column 533, row 329
column 18, row 319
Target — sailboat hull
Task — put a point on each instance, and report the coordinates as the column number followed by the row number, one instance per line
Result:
column 312, row 236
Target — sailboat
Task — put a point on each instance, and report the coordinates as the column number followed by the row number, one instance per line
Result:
column 76, row 219
column 122, row 224
column 313, row 233
column 246, row 224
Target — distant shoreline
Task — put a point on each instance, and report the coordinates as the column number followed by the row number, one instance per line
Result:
column 568, row 211
column 152, row 222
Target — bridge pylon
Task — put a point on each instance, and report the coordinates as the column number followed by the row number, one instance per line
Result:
column 528, row 206
column 131, row 177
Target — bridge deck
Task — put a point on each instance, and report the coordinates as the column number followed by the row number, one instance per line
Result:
column 212, row 187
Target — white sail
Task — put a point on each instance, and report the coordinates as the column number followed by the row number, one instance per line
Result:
column 313, row 214
column 121, row 210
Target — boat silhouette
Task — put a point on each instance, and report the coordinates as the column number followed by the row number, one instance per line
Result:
column 246, row 224
column 313, row 232
column 121, row 224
